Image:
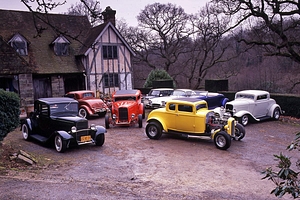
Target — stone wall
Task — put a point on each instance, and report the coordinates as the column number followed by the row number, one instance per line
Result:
column 58, row 88
column 26, row 89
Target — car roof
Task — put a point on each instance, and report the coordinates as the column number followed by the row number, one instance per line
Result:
column 126, row 92
column 80, row 91
column 52, row 100
column 186, row 99
column 255, row 92
column 162, row 89
column 184, row 90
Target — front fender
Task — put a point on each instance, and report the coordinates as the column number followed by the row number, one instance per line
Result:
column 28, row 122
column 241, row 113
column 141, row 108
column 64, row 135
column 156, row 119
column 100, row 130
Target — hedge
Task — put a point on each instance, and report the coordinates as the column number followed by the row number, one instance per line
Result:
column 9, row 112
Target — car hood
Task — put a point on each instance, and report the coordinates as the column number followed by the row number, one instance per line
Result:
column 124, row 103
column 240, row 104
column 161, row 99
column 240, row 101
column 68, row 118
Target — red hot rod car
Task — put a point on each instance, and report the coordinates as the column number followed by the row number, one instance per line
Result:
column 126, row 109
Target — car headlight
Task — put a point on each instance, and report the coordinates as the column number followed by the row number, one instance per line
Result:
column 93, row 127
column 114, row 116
column 222, row 108
column 73, row 129
column 132, row 115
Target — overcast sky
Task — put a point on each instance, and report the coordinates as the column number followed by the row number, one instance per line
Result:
column 126, row 9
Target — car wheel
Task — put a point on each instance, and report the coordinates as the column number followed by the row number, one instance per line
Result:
column 60, row 144
column 140, row 120
column 154, row 130
column 276, row 114
column 102, row 114
column 100, row 140
column 244, row 120
column 144, row 115
column 106, row 121
column 222, row 140
column 83, row 113
column 26, row 131
column 239, row 131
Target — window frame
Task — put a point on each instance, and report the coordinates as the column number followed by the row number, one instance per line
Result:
column 111, row 80
column 61, row 46
column 20, row 44
column 110, row 52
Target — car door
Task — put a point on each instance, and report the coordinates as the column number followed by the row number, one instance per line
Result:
column 43, row 120
column 171, row 116
column 261, row 106
column 185, row 118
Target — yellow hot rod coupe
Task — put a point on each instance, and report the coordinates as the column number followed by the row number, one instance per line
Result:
column 190, row 117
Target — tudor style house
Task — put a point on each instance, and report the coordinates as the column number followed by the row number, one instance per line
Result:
column 48, row 55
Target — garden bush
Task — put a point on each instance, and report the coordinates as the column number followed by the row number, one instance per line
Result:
column 9, row 112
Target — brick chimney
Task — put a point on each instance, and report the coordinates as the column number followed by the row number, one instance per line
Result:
column 109, row 15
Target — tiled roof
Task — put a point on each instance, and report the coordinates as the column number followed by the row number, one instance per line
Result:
column 92, row 35
column 11, row 62
column 98, row 31
column 40, row 52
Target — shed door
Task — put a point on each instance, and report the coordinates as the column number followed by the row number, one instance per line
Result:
column 42, row 88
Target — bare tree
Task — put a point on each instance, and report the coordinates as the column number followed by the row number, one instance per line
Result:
column 208, row 48
column 277, row 21
column 89, row 8
column 41, row 8
column 162, row 28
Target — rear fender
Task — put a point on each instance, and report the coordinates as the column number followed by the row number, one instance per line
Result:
column 87, row 109
column 271, row 110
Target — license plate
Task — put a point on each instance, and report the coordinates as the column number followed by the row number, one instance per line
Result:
column 85, row 138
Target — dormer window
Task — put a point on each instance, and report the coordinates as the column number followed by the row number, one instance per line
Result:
column 19, row 43
column 61, row 46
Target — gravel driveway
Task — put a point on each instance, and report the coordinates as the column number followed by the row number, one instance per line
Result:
column 131, row 166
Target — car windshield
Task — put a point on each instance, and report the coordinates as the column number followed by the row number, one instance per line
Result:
column 127, row 98
column 183, row 93
column 178, row 93
column 154, row 93
column 63, row 107
column 244, row 96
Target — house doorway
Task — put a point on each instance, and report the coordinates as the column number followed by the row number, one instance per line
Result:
column 42, row 87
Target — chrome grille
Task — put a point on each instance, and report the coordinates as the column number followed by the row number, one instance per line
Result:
column 229, row 107
column 123, row 114
column 82, row 125
column 232, row 127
